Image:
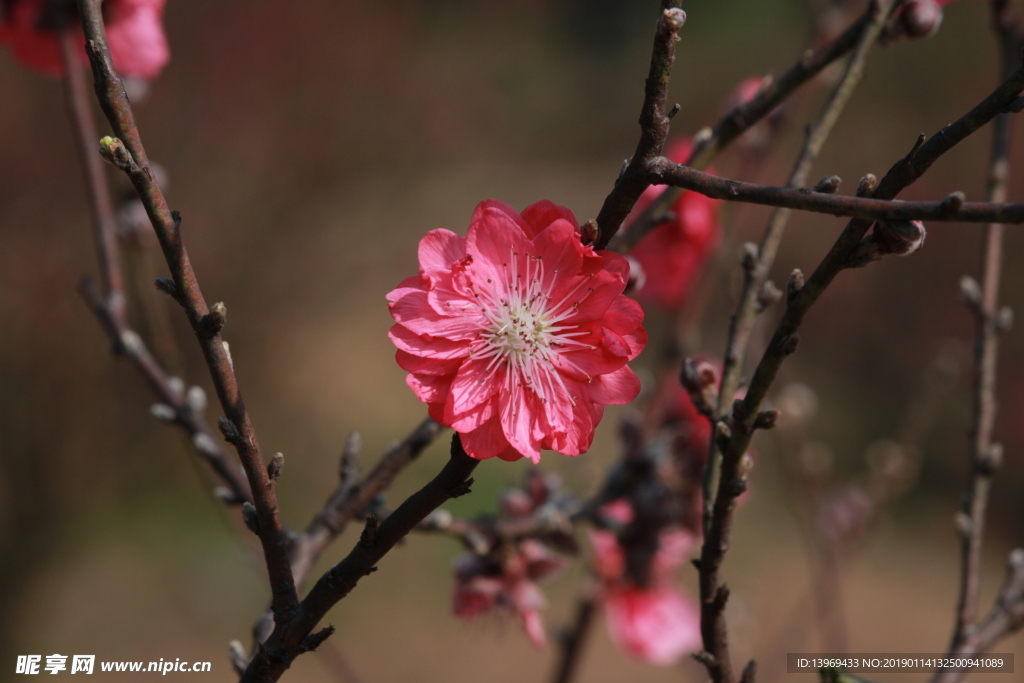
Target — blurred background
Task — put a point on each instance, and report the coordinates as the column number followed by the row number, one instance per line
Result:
column 308, row 146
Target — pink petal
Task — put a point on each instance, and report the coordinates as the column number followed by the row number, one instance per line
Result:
column 542, row 214
column 439, row 249
column 430, row 388
column 615, row 388
column 427, row 366
column 486, row 441
column 136, row 37
column 414, row 312
column 473, row 385
column 658, row 626
column 426, row 346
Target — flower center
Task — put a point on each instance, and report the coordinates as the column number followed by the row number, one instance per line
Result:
column 522, row 328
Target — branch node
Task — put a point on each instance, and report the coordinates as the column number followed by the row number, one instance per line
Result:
column 168, row 287
column 239, row 659
column 461, row 489
column 789, row 344
column 315, row 640
column 964, row 524
column 722, row 434
column 700, row 379
column 909, row 159
column 794, row 284
column 721, row 597
column 953, row 202
column 275, row 466
column 828, row 185
column 990, row 460
column 766, row 419
column 706, row 658
column 673, row 111
column 114, row 151
column 214, row 321
column 229, row 430
column 1004, row 320
column 251, row 519
column 751, row 257
column 369, row 535
column 589, row 232
column 970, row 293
column 163, row 412
column 769, row 296
column 867, row 185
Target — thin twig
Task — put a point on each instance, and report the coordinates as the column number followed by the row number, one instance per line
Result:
column 132, row 159
column 985, row 455
column 950, row 209
column 654, row 125
column 293, row 638
column 736, row 122
column 756, row 269
column 736, row 432
column 573, row 640
column 109, row 304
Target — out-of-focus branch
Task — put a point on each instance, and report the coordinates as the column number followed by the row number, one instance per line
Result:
column 986, row 456
column 573, row 639
column 739, row 120
column 654, row 124
column 735, row 433
column 295, row 637
column 128, row 153
column 109, row 304
column 716, row 656
column 759, row 263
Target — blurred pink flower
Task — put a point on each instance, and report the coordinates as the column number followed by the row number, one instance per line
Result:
column 483, row 585
column 655, row 623
column 134, row 33
column 673, row 253
column 517, row 335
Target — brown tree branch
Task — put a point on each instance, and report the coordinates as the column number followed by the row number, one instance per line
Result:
column 573, row 639
column 983, row 300
column 293, row 638
column 951, row 209
column 739, row 120
column 109, row 304
column 756, row 269
column 654, row 124
column 736, row 432
column 130, row 155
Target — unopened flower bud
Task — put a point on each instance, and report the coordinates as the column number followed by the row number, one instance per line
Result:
column 899, row 237
column 919, row 19
column 163, row 412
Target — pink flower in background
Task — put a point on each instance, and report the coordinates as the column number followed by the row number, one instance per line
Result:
column 656, row 623
column 673, row 253
column 517, row 335
column 483, row 585
column 134, row 32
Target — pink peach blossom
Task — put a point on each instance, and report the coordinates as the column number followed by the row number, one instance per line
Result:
column 517, row 335
column 673, row 253
column 485, row 584
column 134, row 33
column 655, row 623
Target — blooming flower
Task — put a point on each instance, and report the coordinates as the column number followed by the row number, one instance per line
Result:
column 484, row 584
column 517, row 335
column 655, row 623
column 673, row 253
column 134, row 33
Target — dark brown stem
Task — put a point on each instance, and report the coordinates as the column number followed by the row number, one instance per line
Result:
column 737, row 431
column 985, row 455
column 950, row 209
column 740, row 119
column 114, row 102
column 654, row 124
column 573, row 640
column 291, row 639
column 109, row 304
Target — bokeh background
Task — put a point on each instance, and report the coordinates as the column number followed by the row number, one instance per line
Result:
column 309, row 145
